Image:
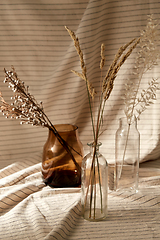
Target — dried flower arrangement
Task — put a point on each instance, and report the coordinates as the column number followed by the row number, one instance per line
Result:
column 136, row 100
column 25, row 108
column 107, row 87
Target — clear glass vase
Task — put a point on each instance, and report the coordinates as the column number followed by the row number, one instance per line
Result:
column 58, row 167
column 127, row 151
column 94, row 185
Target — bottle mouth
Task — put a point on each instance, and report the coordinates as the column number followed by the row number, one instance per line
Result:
column 92, row 144
column 129, row 120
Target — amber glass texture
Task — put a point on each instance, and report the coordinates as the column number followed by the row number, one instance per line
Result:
column 58, row 167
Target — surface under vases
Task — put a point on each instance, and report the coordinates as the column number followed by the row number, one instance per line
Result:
column 58, row 167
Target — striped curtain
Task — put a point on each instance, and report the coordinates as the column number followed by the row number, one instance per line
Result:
column 34, row 40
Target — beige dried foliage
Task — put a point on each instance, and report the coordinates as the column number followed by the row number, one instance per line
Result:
column 108, row 81
column 82, row 75
column 136, row 100
column 102, row 56
column 25, row 108
column 118, row 61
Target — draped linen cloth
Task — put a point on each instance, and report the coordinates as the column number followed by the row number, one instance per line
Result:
column 34, row 40
column 31, row 210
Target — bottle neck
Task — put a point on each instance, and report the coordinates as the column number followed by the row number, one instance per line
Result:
column 92, row 146
column 124, row 122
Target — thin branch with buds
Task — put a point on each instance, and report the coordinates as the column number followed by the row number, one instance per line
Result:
column 25, row 108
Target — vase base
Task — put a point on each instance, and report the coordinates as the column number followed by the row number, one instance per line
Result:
column 98, row 216
column 63, row 178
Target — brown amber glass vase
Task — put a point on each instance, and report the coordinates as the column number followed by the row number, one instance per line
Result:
column 59, row 169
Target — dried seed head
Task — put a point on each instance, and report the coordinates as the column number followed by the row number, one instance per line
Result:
column 102, row 56
column 83, row 75
column 136, row 100
column 25, row 105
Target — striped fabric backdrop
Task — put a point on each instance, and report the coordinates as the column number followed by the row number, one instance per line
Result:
column 34, row 40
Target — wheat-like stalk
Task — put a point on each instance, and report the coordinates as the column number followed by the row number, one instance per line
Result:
column 82, row 75
column 102, row 62
column 119, row 60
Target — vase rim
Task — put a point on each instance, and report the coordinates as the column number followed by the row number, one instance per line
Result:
column 130, row 120
column 65, row 127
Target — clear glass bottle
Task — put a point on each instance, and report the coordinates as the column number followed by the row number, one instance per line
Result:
column 127, row 151
column 94, row 185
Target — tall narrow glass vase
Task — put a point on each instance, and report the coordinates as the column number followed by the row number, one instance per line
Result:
column 127, row 151
column 94, row 185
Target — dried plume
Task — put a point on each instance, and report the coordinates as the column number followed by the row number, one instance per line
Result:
column 102, row 56
column 108, row 81
column 115, row 66
column 135, row 101
column 82, row 75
